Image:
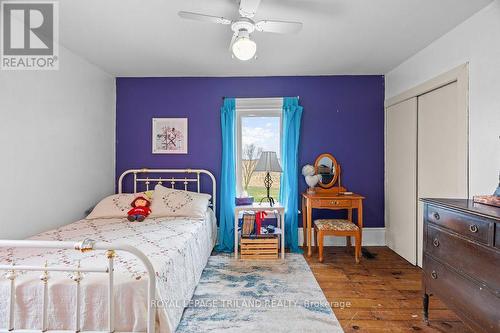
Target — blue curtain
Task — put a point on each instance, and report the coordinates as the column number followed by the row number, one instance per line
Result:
column 289, row 189
column 228, row 177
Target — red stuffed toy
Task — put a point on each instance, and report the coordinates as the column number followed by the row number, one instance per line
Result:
column 140, row 209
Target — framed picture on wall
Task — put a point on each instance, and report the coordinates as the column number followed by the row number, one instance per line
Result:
column 170, row 135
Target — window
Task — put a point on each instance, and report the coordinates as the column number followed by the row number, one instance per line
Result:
column 258, row 129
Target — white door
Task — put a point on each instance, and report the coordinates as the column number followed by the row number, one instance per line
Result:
column 401, row 182
column 442, row 150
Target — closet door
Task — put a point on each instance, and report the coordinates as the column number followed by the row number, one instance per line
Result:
column 442, row 149
column 401, row 183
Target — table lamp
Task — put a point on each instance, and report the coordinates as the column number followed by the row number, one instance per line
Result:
column 268, row 162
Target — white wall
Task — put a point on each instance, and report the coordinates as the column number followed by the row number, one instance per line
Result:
column 57, row 144
column 476, row 41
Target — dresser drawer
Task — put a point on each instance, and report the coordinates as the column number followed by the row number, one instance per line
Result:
column 328, row 203
column 477, row 261
column 477, row 306
column 469, row 226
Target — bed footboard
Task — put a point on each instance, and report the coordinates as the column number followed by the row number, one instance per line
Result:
column 83, row 246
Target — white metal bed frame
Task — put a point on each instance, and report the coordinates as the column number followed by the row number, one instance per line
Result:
column 140, row 177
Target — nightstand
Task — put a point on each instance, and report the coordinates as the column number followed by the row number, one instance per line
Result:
column 280, row 230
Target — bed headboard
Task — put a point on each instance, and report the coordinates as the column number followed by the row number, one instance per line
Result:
column 183, row 179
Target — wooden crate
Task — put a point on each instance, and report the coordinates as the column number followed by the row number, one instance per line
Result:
column 259, row 248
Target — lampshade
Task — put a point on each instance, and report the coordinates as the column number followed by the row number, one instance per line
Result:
column 268, row 162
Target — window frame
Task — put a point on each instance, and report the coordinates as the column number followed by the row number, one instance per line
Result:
column 255, row 107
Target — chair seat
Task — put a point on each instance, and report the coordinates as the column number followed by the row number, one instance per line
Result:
column 335, row 225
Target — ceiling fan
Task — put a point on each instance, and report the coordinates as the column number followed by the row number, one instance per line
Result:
column 242, row 46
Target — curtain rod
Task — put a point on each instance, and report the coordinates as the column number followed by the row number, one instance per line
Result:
column 298, row 97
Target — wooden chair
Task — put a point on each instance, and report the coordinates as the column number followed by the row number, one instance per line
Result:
column 337, row 227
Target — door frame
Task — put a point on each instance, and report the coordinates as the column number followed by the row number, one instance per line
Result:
column 460, row 75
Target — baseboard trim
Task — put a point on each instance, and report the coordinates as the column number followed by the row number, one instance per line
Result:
column 371, row 237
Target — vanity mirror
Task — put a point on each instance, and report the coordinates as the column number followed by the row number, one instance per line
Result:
column 328, row 169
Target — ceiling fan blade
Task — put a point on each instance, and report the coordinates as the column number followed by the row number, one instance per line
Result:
column 279, row 27
column 204, row 18
column 248, row 8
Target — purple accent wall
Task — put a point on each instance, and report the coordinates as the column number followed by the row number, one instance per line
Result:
column 343, row 115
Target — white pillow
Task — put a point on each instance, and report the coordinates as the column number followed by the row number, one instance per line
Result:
column 115, row 206
column 177, row 203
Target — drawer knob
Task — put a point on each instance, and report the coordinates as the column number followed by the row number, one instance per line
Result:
column 473, row 228
column 435, row 242
column 335, row 202
column 436, row 215
column 434, row 275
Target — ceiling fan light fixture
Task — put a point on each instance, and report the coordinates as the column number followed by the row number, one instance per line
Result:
column 244, row 48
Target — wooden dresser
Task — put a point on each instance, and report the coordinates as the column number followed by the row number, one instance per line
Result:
column 462, row 260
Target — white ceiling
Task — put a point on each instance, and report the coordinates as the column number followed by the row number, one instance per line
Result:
column 148, row 38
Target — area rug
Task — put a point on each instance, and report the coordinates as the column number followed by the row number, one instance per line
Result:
column 258, row 296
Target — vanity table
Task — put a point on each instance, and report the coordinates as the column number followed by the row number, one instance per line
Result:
column 329, row 194
column 333, row 201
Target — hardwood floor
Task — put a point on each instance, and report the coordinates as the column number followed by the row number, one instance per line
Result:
column 384, row 293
